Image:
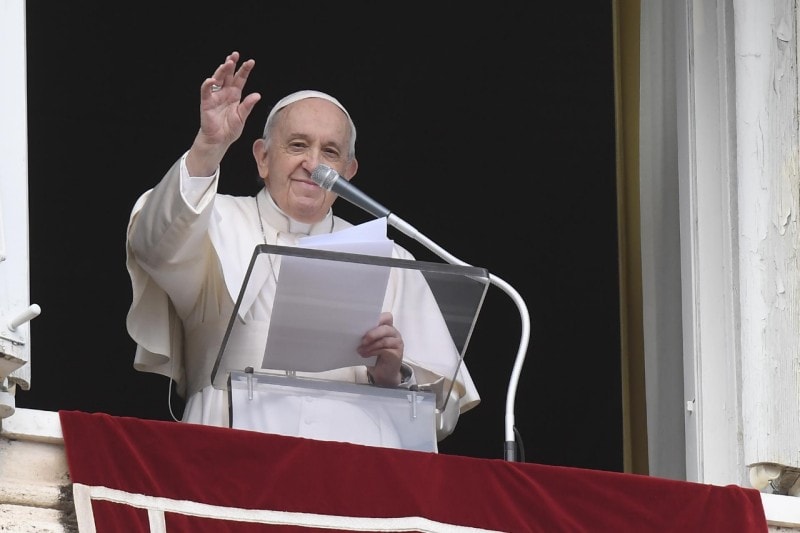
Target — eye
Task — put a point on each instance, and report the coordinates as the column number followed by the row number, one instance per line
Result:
column 331, row 154
column 297, row 147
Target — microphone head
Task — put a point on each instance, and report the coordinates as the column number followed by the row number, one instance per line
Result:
column 324, row 176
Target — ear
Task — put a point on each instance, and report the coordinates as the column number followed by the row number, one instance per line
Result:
column 261, row 155
column 351, row 169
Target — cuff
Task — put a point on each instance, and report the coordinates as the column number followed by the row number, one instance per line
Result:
column 407, row 378
column 195, row 188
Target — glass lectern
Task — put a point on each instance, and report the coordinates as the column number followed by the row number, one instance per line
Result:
column 298, row 319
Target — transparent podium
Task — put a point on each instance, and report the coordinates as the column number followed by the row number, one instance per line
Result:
column 289, row 358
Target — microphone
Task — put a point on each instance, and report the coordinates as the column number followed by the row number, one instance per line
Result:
column 330, row 180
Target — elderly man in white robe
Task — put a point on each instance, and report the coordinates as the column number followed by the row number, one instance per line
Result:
column 188, row 249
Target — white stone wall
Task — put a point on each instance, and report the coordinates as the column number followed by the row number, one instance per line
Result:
column 35, row 488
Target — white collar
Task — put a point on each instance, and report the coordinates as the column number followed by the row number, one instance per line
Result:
column 276, row 218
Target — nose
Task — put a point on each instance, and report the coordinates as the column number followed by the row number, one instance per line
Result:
column 311, row 160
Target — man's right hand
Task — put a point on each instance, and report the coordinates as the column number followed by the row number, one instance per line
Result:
column 223, row 113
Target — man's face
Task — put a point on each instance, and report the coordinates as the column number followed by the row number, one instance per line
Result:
column 307, row 133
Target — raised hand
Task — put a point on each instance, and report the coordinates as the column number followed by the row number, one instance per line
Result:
column 223, row 113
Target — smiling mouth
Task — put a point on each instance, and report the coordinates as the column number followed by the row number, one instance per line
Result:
column 306, row 183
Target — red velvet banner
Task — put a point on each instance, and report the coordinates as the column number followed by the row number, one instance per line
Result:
column 141, row 475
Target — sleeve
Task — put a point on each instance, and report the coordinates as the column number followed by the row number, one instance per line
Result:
column 165, row 232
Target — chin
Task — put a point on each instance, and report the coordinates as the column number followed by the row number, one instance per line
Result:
column 308, row 214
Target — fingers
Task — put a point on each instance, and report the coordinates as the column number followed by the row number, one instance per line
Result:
column 224, row 73
column 385, row 319
column 382, row 344
column 383, row 338
column 248, row 104
column 240, row 78
column 208, row 87
column 225, row 88
column 227, row 76
column 385, row 342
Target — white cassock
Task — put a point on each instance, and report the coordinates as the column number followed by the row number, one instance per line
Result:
column 188, row 249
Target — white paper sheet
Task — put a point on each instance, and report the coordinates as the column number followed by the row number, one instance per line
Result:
column 322, row 308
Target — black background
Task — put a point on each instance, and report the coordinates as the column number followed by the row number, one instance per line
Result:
column 490, row 129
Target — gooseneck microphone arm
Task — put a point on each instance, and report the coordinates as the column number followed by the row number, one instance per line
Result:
column 329, row 179
column 510, row 442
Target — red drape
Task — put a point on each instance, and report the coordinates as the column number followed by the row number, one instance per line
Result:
column 142, row 475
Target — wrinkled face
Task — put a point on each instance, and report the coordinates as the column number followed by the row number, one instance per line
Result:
column 307, row 133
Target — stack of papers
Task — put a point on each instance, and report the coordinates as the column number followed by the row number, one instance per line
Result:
column 322, row 308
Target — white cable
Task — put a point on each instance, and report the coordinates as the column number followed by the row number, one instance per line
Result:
column 410, row 231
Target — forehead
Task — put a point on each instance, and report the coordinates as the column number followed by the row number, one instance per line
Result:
column 313, row 115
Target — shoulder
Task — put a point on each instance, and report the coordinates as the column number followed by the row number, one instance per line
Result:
column 340, row 223
column 401, row 253
column 239, row 206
